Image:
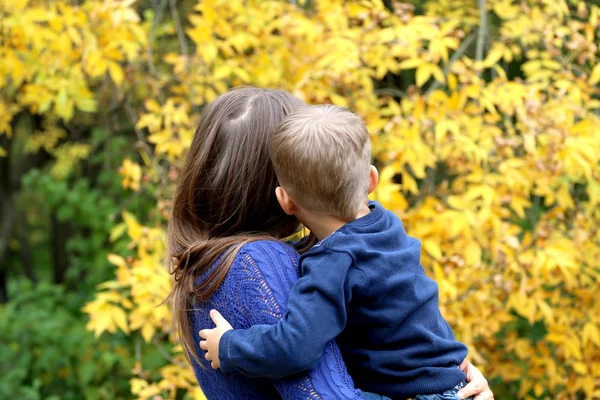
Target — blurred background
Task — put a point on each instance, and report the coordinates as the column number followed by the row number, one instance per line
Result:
column 484, row 116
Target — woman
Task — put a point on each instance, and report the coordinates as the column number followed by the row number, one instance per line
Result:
column 223, row 240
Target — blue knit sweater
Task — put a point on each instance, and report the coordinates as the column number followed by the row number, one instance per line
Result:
column 365, row 286
column 256, row 291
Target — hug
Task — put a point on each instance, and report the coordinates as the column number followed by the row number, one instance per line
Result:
column 346, row 312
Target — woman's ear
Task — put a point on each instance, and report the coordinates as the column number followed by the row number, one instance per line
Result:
column 286, row 203
column 373, row 178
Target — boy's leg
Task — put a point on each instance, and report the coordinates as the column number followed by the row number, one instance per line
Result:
column 447, row 395
column 373, row 396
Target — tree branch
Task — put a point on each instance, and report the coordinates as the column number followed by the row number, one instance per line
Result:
column 464, row 46
column 179, row 30
column 482, row 31
column 25, row 248
column 7, row 200
column 3, row 285
column 132, row 117
column 391, row 91
column 184, row 48
column 60, row 233
column 159, row 10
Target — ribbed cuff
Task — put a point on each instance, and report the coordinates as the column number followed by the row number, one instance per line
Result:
column 227, row 366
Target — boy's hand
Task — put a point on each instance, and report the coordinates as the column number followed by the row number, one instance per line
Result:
column 212, row 337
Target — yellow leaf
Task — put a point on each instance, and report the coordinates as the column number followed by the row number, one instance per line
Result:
column 445, row 126
column 546, row 310
column 518, row 204
column 432, row 248
column 409, row 184
column 594, row 14
column 452, row 81
column 152, row 106
column 116, row 260
column 197, row 394
column 109, row 285
column 86, row 104
column 473, row 254
column 63, row 105
column 573, row 348
column 148, row 332
column 595, row 75
column 593, row 190
column 411, row 63
column 580, row 368
column 591, row 333
column 116, row 73
column 117, row 231
column 501, row 72
column 564, row 197
column 538, row 389
column 423, row 74
column 438, row 74
column 493, row 56
column 134, row 229
column 120, row 318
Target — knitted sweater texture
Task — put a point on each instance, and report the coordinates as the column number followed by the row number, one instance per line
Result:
column 256, row 291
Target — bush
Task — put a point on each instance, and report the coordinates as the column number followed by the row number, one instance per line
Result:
column 47, row 353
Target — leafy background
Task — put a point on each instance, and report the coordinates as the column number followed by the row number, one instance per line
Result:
column 485, row 129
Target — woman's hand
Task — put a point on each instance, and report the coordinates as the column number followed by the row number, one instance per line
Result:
column 477, row 385
column 213, row 337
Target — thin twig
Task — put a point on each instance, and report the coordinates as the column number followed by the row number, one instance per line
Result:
column 159, row 10
column 481, row 33
column 464, row 46
column 132, row 117
column 166, row 354
column 184, row 49
column 179, row 30
column 473, row 288
column 391, row 91
column 138, row 349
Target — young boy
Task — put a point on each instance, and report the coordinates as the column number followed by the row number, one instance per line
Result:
column 362, row 283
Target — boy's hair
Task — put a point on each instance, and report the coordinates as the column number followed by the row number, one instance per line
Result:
column 321, row 156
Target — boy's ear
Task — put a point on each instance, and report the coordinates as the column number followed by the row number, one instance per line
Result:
column 373, row 178
column 285, row 201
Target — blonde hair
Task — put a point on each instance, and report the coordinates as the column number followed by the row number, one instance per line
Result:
column 321, row 156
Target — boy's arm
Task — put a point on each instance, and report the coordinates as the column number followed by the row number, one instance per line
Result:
column 316, row 315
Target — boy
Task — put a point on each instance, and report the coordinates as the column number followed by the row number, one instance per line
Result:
column 362, row 283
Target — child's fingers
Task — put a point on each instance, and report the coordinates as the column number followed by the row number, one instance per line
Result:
column 214, row 365
column 208, row 356
column 203, row 345
column 218, row 318
column 204, row 333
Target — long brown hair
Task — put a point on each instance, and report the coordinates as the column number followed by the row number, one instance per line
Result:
column 225, row 197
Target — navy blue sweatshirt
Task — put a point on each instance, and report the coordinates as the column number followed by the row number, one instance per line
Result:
column 363, row 285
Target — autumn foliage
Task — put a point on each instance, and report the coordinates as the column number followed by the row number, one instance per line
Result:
column 485, row 128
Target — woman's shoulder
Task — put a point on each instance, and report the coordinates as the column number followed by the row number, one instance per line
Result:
column 267, row 253
column 262, row 274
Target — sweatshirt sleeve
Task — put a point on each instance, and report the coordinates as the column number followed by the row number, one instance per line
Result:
column 317, row 313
